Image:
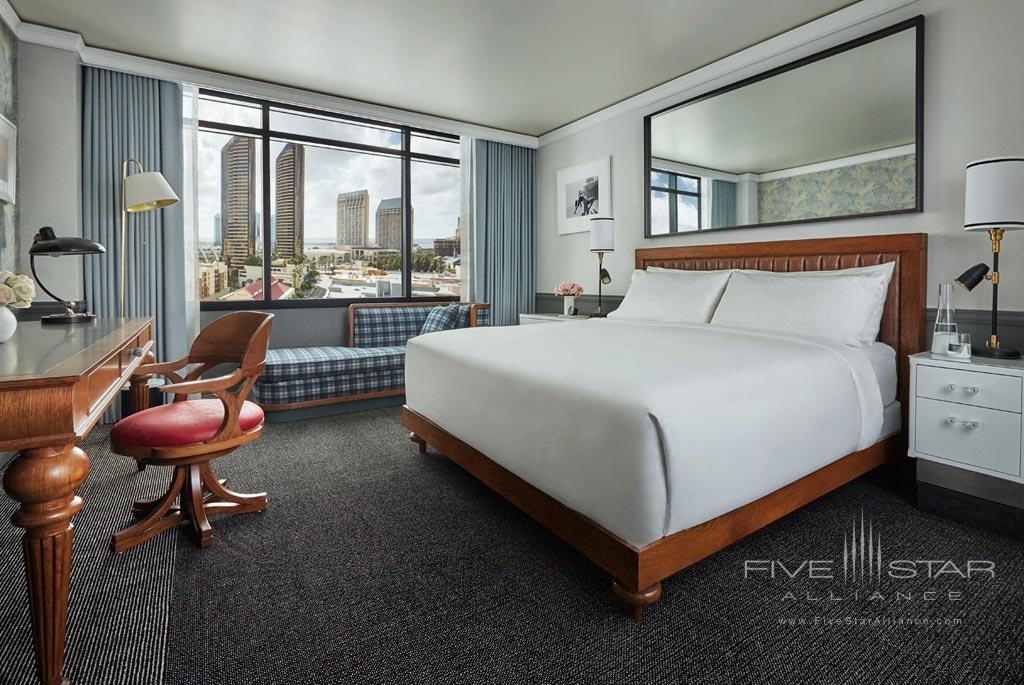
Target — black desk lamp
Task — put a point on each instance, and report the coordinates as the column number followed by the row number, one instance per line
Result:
column 994, row 202
column 46, row 242
column 602, row 239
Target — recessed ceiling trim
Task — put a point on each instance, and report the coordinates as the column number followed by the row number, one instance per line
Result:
column 143, row 66
column 690, row 84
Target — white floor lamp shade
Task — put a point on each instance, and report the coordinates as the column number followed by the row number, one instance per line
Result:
column 146, row 191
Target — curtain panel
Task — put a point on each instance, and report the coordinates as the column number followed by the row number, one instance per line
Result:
column 133, row 116
column 723, row 203
column 504, row 229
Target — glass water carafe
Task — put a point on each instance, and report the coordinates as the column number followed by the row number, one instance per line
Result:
column 945, row 320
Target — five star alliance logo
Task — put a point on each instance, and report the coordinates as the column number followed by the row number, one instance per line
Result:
column 862, row 553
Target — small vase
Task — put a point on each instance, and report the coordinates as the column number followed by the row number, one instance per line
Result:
column 569, row 305
column 8, row 324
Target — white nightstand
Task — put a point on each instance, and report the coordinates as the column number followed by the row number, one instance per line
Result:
column 525, row 319
column 967, row 415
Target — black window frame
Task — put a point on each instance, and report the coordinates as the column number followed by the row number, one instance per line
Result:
column 673, row 190
column 264, row 134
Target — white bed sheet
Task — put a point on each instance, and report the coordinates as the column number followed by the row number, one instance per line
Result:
column 883, row 362
column 647, row 429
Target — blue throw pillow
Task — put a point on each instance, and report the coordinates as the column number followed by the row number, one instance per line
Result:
column 441, row 318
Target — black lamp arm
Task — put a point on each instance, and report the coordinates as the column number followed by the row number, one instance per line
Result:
column 68, row 304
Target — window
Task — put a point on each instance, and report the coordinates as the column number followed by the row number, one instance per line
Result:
column 357, row 209
column 675, row 202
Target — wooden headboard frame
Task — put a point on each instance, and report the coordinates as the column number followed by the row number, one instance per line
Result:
column 903, row 320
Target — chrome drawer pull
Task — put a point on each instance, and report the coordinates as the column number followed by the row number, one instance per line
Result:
column 972, row 389
column 969, row 424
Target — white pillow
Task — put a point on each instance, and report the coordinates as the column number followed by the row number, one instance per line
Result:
column 841, row 307
column 673, row 296
column 881, row 272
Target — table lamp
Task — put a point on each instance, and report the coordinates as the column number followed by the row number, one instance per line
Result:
column 602, row 239
column 141, row 192
column 994, row 202
column 46, row 242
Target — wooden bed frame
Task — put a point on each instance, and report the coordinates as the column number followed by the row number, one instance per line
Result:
column 638, row 572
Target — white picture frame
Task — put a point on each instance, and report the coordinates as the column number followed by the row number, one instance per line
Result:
column 8, row 160
column 581, row 192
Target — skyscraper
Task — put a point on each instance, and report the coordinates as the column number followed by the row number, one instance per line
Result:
column 388, row 223
column 218, row 231
column 289, row 204
column 238, row 200
column 354, row 218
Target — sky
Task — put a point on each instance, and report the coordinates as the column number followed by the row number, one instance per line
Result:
column 436, row 196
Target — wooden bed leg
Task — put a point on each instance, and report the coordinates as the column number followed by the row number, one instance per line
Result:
column 419, row 441
column 638, row 600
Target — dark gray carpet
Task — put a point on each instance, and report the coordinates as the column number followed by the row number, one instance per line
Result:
column 375, row 565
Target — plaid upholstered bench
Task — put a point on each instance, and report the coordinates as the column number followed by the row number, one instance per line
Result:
column 373, row 366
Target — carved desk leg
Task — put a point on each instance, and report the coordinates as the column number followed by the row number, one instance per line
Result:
column 44, row 482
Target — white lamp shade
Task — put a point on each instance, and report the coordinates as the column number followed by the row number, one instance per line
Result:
column 602, row 234
column 995, row 194
column 146, row 191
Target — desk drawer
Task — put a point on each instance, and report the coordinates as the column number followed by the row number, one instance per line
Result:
column 981, row 437
column 978, row 389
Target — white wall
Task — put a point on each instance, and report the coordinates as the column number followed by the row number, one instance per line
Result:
column 50, row 143
column 974, row 96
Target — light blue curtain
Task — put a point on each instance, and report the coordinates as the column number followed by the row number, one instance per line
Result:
column 504, row 230
column 723, row 203
column 132, row 116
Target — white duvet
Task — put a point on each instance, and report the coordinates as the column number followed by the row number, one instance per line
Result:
column 647, row 429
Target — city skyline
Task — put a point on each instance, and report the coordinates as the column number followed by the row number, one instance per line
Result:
column 353, row 218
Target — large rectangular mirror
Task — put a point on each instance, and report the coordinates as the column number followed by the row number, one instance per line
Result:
column 832, row 136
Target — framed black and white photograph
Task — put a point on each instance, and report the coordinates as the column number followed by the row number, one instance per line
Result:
column 8, row 159
column 583, row 191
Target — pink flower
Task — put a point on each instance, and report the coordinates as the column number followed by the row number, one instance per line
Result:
column 568, row 289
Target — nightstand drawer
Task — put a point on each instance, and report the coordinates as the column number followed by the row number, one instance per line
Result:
column 976, row 388
column 981, row 437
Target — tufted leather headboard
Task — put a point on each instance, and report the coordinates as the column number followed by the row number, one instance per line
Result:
column 903, row 320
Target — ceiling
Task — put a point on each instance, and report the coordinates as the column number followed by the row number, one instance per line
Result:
column 527, row 66
column 857, row 101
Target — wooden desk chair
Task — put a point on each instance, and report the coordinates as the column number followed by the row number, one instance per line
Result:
column 188, row 434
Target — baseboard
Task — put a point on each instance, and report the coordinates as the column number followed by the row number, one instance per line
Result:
column 306, row 413
column 973, row 511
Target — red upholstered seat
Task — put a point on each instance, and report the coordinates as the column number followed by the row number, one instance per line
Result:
column 181, row 423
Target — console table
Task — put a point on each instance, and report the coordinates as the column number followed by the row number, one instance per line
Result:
column 56, row 381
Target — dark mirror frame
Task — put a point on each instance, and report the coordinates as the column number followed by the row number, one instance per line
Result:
column 916, row 23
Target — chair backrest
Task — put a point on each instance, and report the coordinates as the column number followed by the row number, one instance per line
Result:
column 237, row 338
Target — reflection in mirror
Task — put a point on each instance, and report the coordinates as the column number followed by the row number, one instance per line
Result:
column 829, row 137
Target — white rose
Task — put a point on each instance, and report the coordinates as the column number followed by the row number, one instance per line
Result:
column 5, row 276
column 24, row 288
column 6, row 294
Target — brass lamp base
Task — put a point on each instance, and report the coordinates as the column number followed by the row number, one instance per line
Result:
column 995, row 352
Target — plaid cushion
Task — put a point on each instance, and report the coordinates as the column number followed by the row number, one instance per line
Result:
column 317, row 362
column 305, row 389
column 387, row 326
column 441, row 318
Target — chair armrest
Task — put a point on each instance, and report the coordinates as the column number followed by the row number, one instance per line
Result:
column 160, row 369
column 208, row 384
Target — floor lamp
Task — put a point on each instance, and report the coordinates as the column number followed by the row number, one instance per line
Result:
column 141, row 192
column 602, row 239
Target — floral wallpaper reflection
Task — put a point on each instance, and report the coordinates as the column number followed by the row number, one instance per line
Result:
column 881, row 185
column 9, row 108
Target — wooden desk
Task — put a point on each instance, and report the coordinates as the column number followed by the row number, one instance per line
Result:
column 56, row 382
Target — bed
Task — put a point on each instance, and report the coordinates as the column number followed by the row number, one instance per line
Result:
column 650, row 460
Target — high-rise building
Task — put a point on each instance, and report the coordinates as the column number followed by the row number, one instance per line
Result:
column 388, row 223
column 238, row 200
column 289, row 206
column 354, row 218
column 218, row 231
column 451, row 246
